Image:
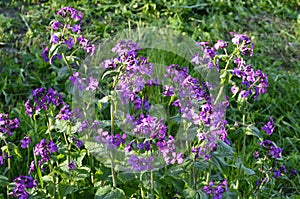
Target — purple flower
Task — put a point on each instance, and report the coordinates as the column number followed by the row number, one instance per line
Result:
column 168, row 90
column 21, row 184
column 52, row 147
column 269, row 127
column 1, row 160
column 140, row 164
column 54, row 39
column 83, row 41
column 45, row 54
column 147, row 105
column 256, row 155
column 216, row 190
column 31, row 167
column 56, row 56
column 220, row 44
column 276, row 173
column 125, row 46
column 90, row 49
column 28, row 108
column 238, row 38
column 273, row 150
column 69, row 42
column 294, row 172
column 25, row 142
column 283, row 169
column 76, row 29
column 167, row 149
column 93, row 84
column 55, row 25
column 110, row 141
column 7, row 125
column 70, row 12
column 72, row 166
column 44, row 149
column 196, row 59
column 65, row 113
column 78, row 143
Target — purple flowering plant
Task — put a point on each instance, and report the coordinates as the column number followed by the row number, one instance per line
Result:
column 67, row 38
column 152, row 135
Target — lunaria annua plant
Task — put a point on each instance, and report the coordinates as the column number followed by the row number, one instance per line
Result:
column 162, row 125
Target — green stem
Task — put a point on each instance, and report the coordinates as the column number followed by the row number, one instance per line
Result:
column 68, row 65
column 244, row 136
column 194, row 175
column 49, row 126
column 8, row 167
column 208, row 173
column 112, row 169
column 235, row 52
column 112, row 133
column 152, row 185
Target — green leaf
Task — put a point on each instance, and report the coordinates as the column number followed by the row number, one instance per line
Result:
column 47, row 178
column 201, row 165
column 107, row 192
column 245, row 169
column 224, row 149
column 189, row 193
column 3, row 181
column 125, row 177
column 252, row 130
column 223, row 75
column 65, row 189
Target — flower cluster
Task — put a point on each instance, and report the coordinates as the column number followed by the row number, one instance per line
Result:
column 72, row 166
column 216, row 190
column 274, row 151
column 133, row 145
column 44, row 149
column 140, row 164
column 90, row 84
column 7, row 124
column 22, row 183
column 110, row 141
column 3, row 157
column 147, row 126
column 269, row 127
column 215, row 132
column 253, row 82
column 125, row 46
column 189, row 92
column 134, row 73
column 42, row 99
column 25, row 142
column 196, row 106
column 277, row 172
column 68, row 34
column 168, row 151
